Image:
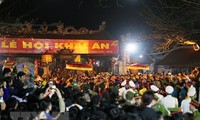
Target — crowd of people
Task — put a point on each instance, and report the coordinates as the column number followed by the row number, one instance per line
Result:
column 103, row 96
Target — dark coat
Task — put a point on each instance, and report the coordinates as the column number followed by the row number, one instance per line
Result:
column 148, row 114
column 18, row 86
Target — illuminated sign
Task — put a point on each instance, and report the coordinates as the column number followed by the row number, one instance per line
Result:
column 40, row 46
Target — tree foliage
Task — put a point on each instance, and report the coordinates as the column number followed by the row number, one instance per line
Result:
column 174, row 22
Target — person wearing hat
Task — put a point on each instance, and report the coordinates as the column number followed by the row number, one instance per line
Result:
column 194, row 107
column 122, row 89
column 138, row 99
column 160, row 107
column 169, row 101
column 127, row 86
column 129, row 99
column 155, row 89
column 185, row 104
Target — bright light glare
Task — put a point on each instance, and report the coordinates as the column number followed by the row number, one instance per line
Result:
column 140, row 56
column 131, row 47
column 1, row 1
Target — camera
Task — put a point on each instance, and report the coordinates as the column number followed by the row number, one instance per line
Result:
column 53, row 88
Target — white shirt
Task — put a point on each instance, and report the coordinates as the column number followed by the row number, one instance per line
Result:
column 159, row 96
column 121, row 90
column 169, row 101
column 185, row 105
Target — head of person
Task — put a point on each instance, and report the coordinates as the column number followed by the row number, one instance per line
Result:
column 169, row 90
column 95, row 101
column 129, row 96
column 73, row 112
column 21, row 76
column 148, row 98
column 159, row 115
column 87, row 98
column 130, row 116
column 45, row 105
column 192, row 92
column 6, row 72
column 154, row 88
column 178, row 116
column 8, row 81
column 28, row 77
column 51, row 83
column 188, row 116
column 114, row 113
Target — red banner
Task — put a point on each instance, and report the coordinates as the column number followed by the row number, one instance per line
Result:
column 41, row 46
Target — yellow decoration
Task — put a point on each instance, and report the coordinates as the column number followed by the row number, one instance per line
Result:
column 138, row 68
column 189, row 42
column 44, row 82
column 78, row 68
column 77, row 59
column 142, row 91
column 46, row 58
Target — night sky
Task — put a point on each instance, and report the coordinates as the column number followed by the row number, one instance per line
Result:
column 120, row 20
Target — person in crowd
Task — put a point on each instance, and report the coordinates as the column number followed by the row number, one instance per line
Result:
column 194, row 107
column 2, row 102
column 19, row 86
column 185, row 104
column 46, row 107
column 169, row 101
column 114, row 113
column 129, row 99
column 196, row 76
column 50, row 91
column 8, row 88
column 146, row 112
column 6, row 72
column 96, row 112
column 126, row 86
column 182, row 91
column 176, row 113
column 188, row 116
column 29, row 80
column 138, row 100
column 130, row 116
column 159, row 115
column 12, row 104
column 155, row 89
column 104, row 102
column 160, row 107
